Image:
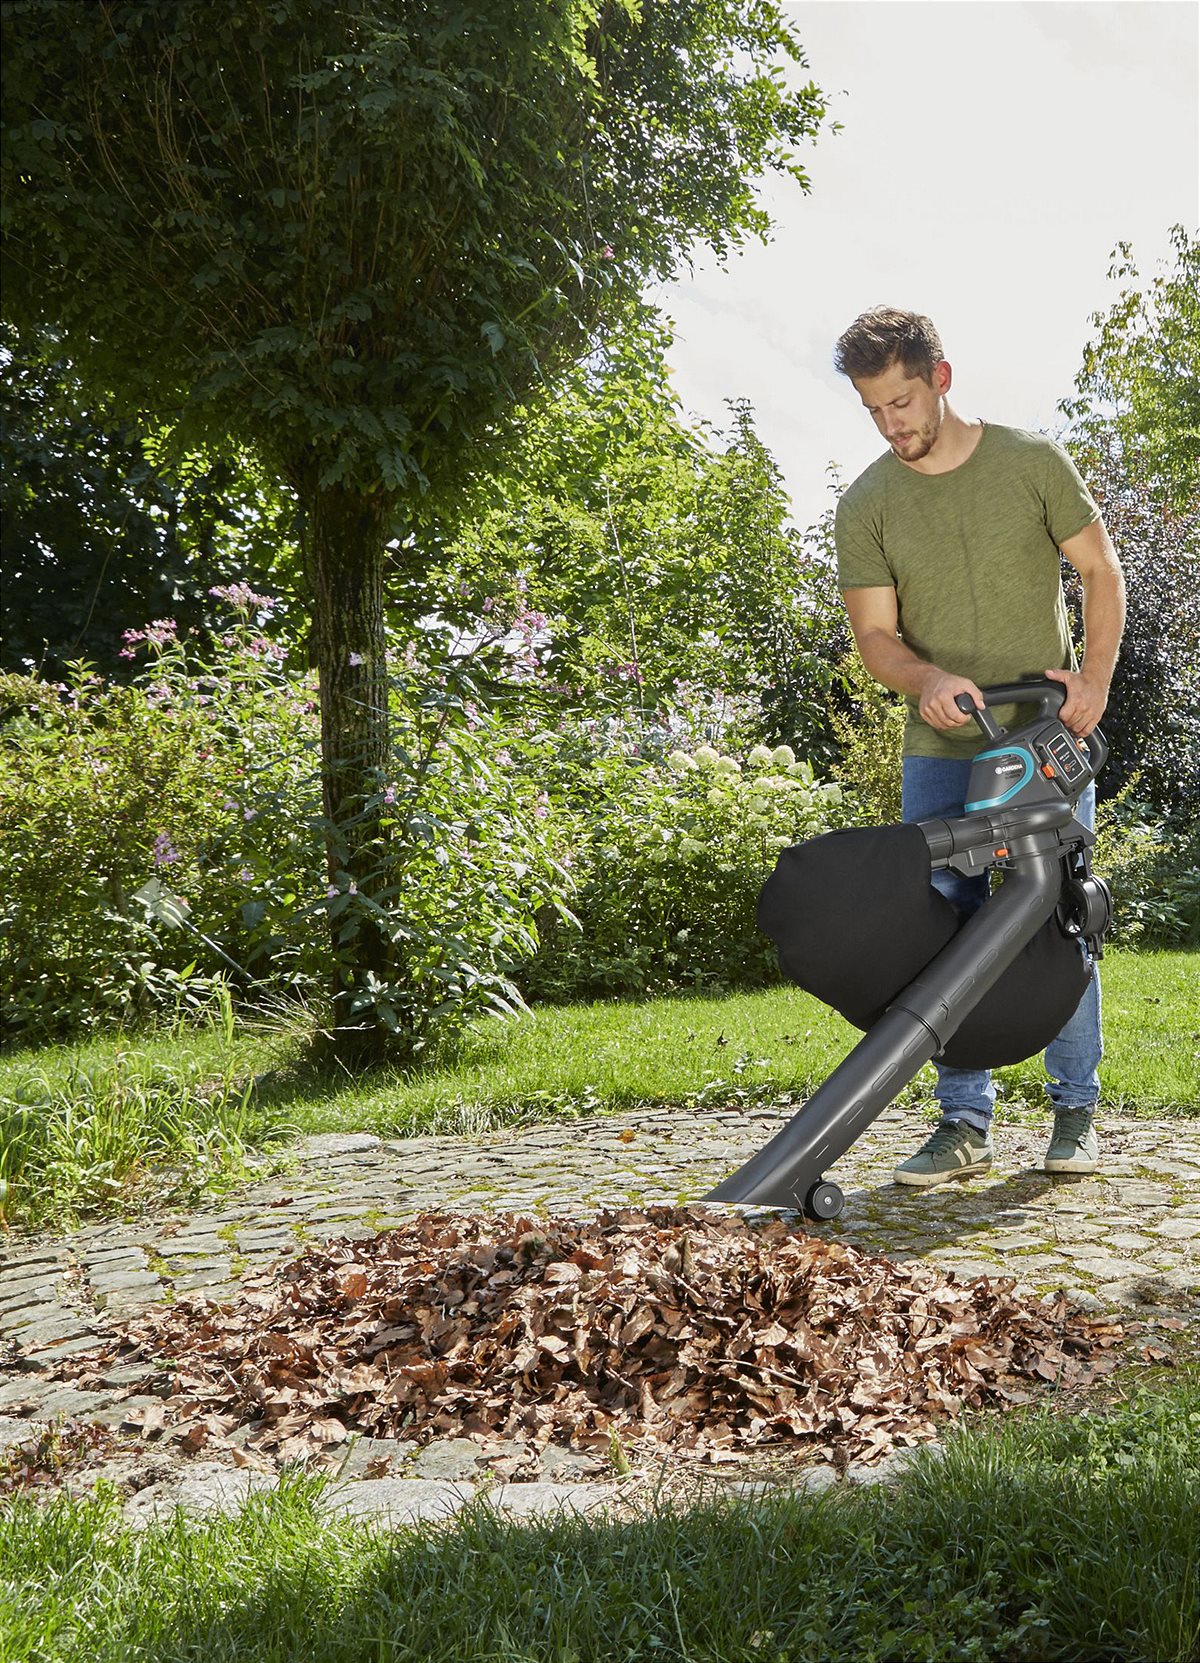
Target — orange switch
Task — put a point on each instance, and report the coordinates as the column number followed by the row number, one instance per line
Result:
column 1048, row 770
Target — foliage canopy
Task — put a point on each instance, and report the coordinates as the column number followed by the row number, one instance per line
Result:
column 1135, row 433
column 352, row 237
column 345, row 234
column 1139, row 383
column 98, row 535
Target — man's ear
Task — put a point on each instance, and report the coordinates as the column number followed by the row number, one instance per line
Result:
column 942, row 376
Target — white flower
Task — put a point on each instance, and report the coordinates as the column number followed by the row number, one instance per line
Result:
column 784, row 756
column 705, row 754
column 679, row 762
column 688, row 847
column 761, row 757
column 831, row 793
column 727, row 765
column 716, row 797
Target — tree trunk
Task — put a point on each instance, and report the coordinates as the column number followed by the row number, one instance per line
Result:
column 346, row 540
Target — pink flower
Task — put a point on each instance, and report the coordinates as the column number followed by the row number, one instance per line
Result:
column 242, row 596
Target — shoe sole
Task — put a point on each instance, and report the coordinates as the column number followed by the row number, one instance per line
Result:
column 1079, row 1165
column 928, row 1180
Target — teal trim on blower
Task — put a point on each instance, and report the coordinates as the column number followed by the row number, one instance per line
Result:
column 995, row 802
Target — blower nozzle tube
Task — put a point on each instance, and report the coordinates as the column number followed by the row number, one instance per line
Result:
column 914, row 1029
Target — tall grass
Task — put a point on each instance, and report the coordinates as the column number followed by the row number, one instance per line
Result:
column 98, row 1136
column 105, row 1137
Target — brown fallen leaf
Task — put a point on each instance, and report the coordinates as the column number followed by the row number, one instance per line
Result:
column 672, row 1327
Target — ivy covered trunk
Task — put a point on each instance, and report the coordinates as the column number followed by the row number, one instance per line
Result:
column 346, row 539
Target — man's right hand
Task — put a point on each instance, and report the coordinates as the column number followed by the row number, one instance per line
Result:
column 937, row 706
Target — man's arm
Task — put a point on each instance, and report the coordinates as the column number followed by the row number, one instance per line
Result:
column 874, row 615
column 1094, row 558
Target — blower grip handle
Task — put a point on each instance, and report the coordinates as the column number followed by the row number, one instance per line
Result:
column 991, row 728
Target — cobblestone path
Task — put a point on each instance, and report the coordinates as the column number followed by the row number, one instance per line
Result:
column 1127, row 1238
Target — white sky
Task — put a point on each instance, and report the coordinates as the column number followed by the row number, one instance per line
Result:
column 993, row 155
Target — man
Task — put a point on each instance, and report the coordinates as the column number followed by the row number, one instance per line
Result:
column 948, row 561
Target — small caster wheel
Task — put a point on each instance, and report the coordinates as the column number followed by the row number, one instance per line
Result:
column 824, row 1201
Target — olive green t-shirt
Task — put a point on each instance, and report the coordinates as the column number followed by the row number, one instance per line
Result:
column 973, row 556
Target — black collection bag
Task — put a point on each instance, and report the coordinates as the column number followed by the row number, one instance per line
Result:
column 855, row 919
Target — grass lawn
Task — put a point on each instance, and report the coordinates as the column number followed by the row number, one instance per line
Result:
column 85, row 1125
column 1041, row 1537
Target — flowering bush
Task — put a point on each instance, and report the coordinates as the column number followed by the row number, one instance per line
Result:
column 498, row 812
column 198, row 776
column 668, row 857
column 465, row 865
column 205, row 777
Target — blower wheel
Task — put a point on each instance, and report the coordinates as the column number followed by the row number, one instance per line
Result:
column 824, row 1201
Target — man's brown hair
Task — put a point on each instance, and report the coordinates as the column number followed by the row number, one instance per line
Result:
column 884, row 336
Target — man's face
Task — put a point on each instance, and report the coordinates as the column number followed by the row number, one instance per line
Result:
column 907, row 410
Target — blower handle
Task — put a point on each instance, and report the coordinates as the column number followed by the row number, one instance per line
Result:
column 1047, row 695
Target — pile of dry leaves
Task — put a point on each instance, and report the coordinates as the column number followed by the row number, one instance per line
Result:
column 672, row 1328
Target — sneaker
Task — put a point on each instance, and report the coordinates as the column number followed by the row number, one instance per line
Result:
column 1074, row 1146
column 954, row 1150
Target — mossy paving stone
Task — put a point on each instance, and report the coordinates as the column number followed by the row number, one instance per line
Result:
column 1129, row 1236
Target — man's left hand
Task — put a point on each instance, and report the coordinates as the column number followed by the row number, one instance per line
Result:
column 1085, row 701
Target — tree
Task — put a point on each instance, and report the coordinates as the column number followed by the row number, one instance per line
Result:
column 775, row 593
column 95, row 539
column 1139, row 383
column 658, row 550
column 589, row 519
column 1134, row 430
column 1152, row 723
column 351, row 238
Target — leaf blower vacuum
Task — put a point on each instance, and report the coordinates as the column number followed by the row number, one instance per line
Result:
column 857, row 922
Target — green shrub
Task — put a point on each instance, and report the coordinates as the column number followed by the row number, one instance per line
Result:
column 668, row 857
column 1153, row 869
column 199, row 777
column 205, row 777
column 870, row 741
column 467, row 866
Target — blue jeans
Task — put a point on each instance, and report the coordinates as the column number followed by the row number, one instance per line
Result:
column 935, row 788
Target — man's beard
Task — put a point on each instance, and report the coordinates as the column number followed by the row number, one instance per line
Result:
column 920, row 443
